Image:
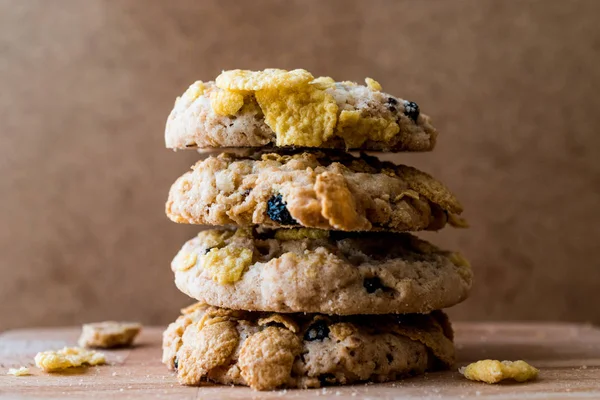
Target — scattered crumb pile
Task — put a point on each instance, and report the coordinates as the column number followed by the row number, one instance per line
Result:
column 494, row 371
column 109, row 334
column 57, row 360
column 22, row 371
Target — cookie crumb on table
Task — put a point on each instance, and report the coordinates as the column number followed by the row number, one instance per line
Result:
column 109, row 334
column 494, row 371
column 58, row 360
column 21, row 371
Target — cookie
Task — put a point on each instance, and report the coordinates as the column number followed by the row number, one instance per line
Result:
column 311, row 189
column 317, row 271
column 292, row 109
column 109, row 334
column 268, row 351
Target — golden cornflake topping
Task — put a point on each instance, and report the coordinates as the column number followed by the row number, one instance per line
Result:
column 226, row 102
column 494, row 371
column 272, row 78
column 227, row 265
column 184, row 260
column 304, row 116
column 373, row 84
column 214, row 238
column 195, row 90
column 356, row 129
column 57, row 360
column 323, row 82
column 301, row 233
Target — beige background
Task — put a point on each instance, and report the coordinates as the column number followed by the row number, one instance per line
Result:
column 85, row 88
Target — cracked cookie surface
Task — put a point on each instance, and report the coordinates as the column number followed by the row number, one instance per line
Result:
column 309, row 270
column 268, row 351
column 332, row 191
column 292, row 109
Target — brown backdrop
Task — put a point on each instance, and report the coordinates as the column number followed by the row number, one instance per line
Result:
column 85, row 88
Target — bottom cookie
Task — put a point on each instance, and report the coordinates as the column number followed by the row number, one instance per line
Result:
column 268, row 350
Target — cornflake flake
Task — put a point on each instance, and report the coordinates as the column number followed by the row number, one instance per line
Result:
column 356, row 129
column 195, row 90
column 303, row 116
column 227, row 265
column 323, row 82
column 57, row 360
column 271, row 78
column 21, row 371
column 494, row 371
column 373, row 84
column 226, row 102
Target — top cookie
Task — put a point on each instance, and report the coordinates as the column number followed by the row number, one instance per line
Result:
column 278, row 108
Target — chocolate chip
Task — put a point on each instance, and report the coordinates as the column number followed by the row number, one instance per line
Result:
column 317, row 331
column 372, row 284
column 176, row 363
column 411, row 110
column 392, row 109
column 392, row 100
column 277, row 211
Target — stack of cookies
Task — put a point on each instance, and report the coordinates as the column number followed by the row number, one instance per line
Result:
column 308, row 276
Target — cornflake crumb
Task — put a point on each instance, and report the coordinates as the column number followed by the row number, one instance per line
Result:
column 21, row 371
column 109, row 334
column 494, row 371
column 373, row 84
column 57, row 360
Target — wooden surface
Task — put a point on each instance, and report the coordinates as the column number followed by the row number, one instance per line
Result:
column 568, row 356
column 86, row 87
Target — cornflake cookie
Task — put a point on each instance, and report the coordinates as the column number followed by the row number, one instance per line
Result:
column 268, row 351
column 283, row 108
column 109, row 334
column 317, row 271
column 494, row 371
column 332, row 191
column 58, row 360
